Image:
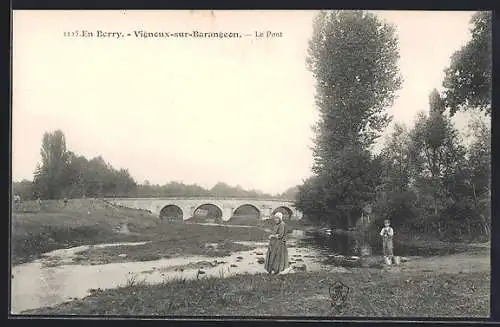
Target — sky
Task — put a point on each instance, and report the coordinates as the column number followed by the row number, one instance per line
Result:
column 191, row 110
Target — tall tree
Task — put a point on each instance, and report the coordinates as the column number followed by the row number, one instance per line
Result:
column 123, row 184
column 76, row 172
column 480, row 156
column 353, row 57
column 437, row 161
column 479, row 165
column 311, row 199
column 467, row 81
column 396, row 162
column 49, row 177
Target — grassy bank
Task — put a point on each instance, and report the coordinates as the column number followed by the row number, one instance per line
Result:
column 373, row 293
column 90, row 221
column 158, row 249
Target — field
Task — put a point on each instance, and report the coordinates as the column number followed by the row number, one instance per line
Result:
column 451, row 285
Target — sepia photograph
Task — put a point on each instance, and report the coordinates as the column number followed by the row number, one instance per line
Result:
column 251, row 163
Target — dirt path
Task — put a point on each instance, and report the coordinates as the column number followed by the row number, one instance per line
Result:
column 463, row 263
column 458, row 263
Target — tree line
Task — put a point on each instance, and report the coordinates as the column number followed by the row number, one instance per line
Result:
column 426, row 180
column 64, row 174
column 220, row 189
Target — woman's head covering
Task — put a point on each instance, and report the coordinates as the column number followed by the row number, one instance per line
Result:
column 279, row 215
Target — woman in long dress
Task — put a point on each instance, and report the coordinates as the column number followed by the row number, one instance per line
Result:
column 277, row 253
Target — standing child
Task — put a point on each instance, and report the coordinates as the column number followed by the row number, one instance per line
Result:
column 387, row 233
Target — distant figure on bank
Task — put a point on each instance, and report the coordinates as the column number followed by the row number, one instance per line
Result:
column 277, row 253
column 65, row 201
column 387, row 233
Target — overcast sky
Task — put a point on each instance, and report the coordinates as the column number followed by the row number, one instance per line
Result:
column 195, row 110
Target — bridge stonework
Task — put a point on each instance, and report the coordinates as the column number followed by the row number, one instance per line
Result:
column 189, row 205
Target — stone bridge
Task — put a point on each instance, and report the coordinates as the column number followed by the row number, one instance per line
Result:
column 226, row 207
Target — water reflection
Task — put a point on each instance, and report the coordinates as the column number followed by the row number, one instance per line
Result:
column 341, row 243
column 354, row 244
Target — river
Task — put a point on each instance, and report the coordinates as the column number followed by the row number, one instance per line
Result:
column 55, row 278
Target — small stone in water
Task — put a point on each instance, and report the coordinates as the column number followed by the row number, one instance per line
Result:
column 239, row 258
column 233, row 266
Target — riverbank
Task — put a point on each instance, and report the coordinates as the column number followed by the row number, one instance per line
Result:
column 60, row 275
column 451, row 286
column 91, row 221
column 443, row 285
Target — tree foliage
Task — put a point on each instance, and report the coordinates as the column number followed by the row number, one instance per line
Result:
column 397, row 156
column 174, row 189
column 479, row 168
column 62, row 173
column 479, row 159
column 49, row 176
column 437, row 158
column 24, row 189
column 425, row 179
column 353, row 57
column 467, row 80
column 290, row 193
column 432, row 185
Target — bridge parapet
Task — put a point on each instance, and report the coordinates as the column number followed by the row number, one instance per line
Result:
column 227, row 206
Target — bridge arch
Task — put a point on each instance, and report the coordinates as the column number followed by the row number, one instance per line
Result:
column 246, row 213
column 171, row 212
column 285, row 210
column 207, row 212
